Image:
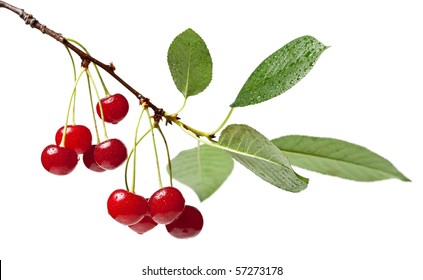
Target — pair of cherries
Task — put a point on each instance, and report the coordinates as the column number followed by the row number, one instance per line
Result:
column 61, row 158
column 165, row 206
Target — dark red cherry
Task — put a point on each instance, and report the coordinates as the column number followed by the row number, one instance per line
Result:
column 89, row 162
column 144, row 225
column 59, row 160
column 126, row 207
column 78, row 138
column 115, row 107
column 166, row 204
column 186, row 225
column 110, row 154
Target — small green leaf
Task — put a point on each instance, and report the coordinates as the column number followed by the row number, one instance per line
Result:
column 337, row 158
column 190, row 63
column 204, row 169
column 280, row 71
column 257, row 153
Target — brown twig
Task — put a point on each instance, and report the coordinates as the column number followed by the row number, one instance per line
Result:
column 85, row 58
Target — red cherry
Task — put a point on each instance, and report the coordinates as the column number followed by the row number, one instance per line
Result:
column 115, row 107
column 144, row 225
column 59, row 160
column 78, row 138
column 89, row 162
column 166, row 204
column 186, row 225
column 126, row 207
column 110, row 154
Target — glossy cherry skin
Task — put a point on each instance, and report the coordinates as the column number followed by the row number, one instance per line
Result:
column 110, row 154
column 59, row 160
column 89, row 161
column 115, row 107
column 146, row 224
column 188, row 224
column 166, row 204
column 78, row 138
column 126, row 207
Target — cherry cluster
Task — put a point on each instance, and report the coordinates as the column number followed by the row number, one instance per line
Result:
column 165, row 206
column 61, row 158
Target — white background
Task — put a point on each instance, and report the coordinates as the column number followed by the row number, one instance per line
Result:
column 365, row 89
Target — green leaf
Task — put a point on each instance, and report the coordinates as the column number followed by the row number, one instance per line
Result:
column 204, row 169
column 280, row 71
column 190, row 63
column 337, row 158
column 257, row 153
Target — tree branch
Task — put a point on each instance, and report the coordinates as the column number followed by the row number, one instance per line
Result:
column 86, row 59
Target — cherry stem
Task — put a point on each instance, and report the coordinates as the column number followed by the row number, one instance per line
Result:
column 73, row 63
column 109, row 68
column 101, row 107
column 95, row 65
column 169, row 161
column 92, row 109
column 153, row 125
column 73, row 95
column 129, row 157
column 134, row 164
column 74, row 78
column 74, row 109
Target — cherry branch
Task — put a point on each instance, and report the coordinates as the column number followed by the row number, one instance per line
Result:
column 86, row 59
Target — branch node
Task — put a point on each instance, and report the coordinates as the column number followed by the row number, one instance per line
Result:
column 28, row 19
column 158, row 114
column 144, row 101
column 43, row 28
column 85, row 63
column 112, row 67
